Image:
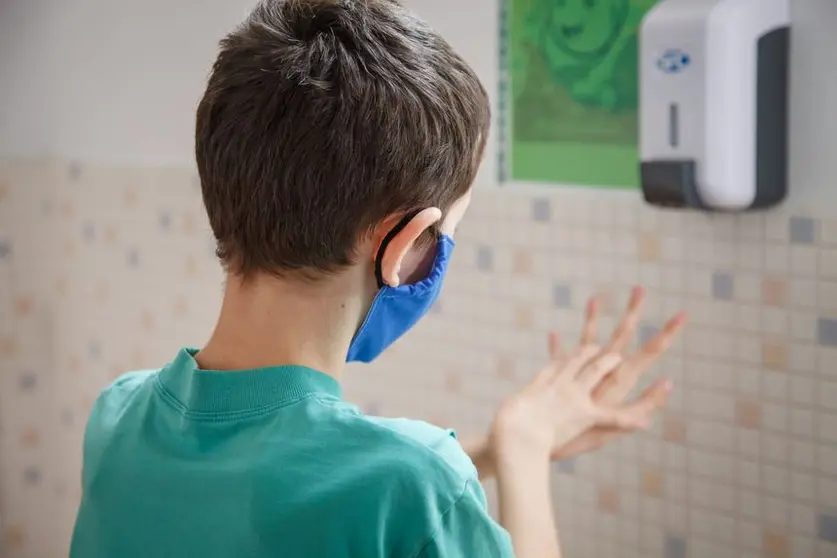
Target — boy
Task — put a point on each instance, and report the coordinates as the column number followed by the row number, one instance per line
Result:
column 337, row 143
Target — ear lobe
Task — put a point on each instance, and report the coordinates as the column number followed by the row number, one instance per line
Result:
column 402, row 242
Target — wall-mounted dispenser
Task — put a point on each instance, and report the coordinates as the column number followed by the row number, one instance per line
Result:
column 713, row 109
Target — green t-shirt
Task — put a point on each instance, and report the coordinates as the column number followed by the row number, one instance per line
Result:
column 270, row 462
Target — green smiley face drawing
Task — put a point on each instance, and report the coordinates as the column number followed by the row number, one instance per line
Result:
column 589, row 48
column 587, row 28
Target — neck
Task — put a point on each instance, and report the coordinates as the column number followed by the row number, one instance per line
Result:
column 267, row 321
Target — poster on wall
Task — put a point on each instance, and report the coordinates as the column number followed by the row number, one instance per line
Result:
column 569, row 90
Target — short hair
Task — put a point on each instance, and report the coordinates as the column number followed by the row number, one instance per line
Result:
column 320, row 119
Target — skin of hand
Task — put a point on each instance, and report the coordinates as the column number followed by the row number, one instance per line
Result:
column 614, row 387
column 575, row 402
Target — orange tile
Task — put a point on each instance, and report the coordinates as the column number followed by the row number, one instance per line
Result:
column 129, row 196
column 74, row 365
column 191, row 267
column 70, row 248
column 674, row 429
column 101, row 293
column 180, row 307
column 524, row 318
column 147, row 321
column 15, row 536
column 66, row 209
column 649, row 247
column 774, row 291
column 30, row 438
column 24, row 305
column 652, row 483
column 748, row 414
column 61, row 286
column 111, row 233
column 774, row 354
column 608, row 500
column 606, row 300
column 523, row 263
column 775, row 544
column 9, row 347
column 190, row 223
column 453, row 384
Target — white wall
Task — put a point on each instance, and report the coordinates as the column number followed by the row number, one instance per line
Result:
column 117, row 81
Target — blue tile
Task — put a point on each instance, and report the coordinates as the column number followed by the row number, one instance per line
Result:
column 485, row 258
column 562, row 296
column 88, row 232
column 165, row 221
column 32, row 475
column 675, row 547
column 723, row 285
column 541, row 210
column 827, row 332
column 28, row 381
column 133, row 257
column 566, row 466
column 5, row 249
column 647, row 333
column 74, row 171
column 802, row 230
column 827, row 527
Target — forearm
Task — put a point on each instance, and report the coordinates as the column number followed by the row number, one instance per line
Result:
column 479, row 450
column 526, row 509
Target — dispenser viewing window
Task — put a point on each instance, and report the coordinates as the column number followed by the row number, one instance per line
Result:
column 713, row 108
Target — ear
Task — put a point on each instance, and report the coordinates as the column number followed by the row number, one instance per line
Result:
column 401, row 244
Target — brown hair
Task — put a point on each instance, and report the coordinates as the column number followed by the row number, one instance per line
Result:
column 320, row 119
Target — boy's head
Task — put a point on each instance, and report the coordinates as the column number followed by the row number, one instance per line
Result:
column 323, row 123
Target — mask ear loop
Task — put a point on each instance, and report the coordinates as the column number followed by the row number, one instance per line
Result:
column 379, row 259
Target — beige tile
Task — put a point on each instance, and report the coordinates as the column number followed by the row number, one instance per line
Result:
column 504, row 368
column 649, row 247
column 524, row 318
column 453, row 382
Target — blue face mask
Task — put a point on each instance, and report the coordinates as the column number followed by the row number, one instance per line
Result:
column 396, row 309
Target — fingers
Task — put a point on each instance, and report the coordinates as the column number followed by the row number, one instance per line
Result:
column 624, row 332
column 596, row 370
column 589, row 334
column 554, row 346
column 576, row 363
column 658, row 345
column 637, row 414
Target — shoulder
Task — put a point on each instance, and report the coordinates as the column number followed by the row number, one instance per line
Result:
column 430, row 444
column 115, row 396
column 110, row 407
column 426, row 491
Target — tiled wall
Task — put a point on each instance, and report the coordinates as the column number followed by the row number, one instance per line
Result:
column 106, row 269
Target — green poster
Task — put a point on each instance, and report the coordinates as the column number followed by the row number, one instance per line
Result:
column 571, row 91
